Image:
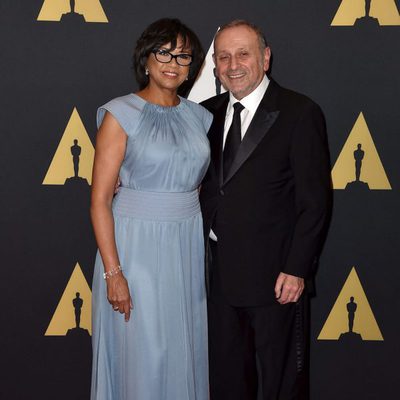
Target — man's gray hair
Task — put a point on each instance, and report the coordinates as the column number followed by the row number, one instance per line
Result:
column 242, row 22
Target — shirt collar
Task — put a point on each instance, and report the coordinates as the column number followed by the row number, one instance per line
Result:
column 252, row 100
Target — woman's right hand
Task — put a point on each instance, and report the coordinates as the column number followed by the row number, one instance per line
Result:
column 118, row 295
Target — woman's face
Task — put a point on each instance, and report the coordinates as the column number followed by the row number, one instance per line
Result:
column 168, row 75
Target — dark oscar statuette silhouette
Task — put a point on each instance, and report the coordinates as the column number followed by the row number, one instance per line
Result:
column 77, row 303
column 72, row 16
column 358, row 184
column 367, row 20
column 76, row 179
column 217, row 83
column 351, row 336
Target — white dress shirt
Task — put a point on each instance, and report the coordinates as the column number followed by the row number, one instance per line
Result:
column 250, row 104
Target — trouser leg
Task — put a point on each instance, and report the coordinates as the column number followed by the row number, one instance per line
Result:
column 233, row 372
column 281, row 348
column 232, row 365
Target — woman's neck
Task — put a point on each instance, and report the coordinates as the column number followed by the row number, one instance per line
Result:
column 166, row 98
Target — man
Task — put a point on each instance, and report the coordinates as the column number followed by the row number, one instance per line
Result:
column 266, row 203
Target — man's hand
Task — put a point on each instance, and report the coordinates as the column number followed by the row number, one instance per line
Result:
column 288, row 288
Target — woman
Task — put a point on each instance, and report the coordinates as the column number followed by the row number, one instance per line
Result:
column 149, row 311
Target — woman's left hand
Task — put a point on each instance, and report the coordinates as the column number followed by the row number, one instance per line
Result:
column 118, row 295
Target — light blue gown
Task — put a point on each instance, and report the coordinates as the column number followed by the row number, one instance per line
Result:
column 161, row 353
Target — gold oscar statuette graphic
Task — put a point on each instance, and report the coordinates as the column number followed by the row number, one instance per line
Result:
column 359, row 166
column 351, row 319
column 73, row 160
column 72, row 11
column 367, row 13
column 73, row 313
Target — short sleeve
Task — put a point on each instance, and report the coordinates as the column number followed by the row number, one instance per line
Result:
column 202, row 114
column 122, row 110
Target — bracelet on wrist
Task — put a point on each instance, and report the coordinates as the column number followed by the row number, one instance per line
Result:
column 112, row 272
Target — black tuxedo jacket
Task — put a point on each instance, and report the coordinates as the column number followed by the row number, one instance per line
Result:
column 271, row 211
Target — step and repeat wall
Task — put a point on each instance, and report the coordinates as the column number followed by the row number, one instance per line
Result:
column 61, row 59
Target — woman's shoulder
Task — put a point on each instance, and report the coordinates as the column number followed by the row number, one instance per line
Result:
column 202, row 113
column 195, row 107
column 129, row 101
column 125, row 109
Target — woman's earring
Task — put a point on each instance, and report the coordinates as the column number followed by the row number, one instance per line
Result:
column 187, row 78
column 146, row 71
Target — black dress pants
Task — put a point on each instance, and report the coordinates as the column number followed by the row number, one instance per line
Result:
column 275, row 334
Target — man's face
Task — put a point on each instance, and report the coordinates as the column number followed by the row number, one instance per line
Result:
column 240, row 63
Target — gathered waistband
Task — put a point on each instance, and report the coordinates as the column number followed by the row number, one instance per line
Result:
column 164, row 206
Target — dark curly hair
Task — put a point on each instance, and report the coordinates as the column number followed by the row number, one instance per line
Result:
column 160, row 32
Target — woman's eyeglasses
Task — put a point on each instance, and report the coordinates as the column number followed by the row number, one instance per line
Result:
column 164, row 56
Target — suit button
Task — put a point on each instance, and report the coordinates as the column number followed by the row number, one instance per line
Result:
column 221, row 192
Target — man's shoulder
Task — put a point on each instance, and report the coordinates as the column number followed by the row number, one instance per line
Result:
column 296, row 106
column 292, row 99
column 214, row 103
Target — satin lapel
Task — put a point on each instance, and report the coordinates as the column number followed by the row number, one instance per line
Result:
column 262, row 122
column 216, row 139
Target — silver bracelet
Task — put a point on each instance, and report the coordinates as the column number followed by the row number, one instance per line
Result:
column 112, row 272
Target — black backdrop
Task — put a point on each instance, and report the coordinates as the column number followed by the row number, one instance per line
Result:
column 48, row 68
